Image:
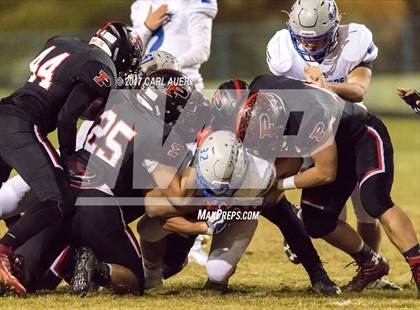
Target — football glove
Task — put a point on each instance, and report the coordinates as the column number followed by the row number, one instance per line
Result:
column 412, row 99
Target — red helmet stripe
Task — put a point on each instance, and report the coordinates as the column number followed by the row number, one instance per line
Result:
column 241, row 115
column 238, row 89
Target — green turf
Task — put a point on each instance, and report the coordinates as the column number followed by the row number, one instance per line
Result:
column 264, row 278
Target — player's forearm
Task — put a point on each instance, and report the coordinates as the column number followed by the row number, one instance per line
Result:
column 158, row 205
column 183, row 226
column 77, row 102
column 352, row 92
column 312, row 177
column 67, row 138
column 315, row 176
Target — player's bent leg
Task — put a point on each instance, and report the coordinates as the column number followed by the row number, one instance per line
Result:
column 44, row 175
column 176, row 257
column 375, row 173
column 102, row 229
column 90, row 272
column 153, row 254
column 367, row 226
column 321, row 223
column 15, row 197
column 284, row 215
column 370, row 230
column 36, row 255
column 226, row 250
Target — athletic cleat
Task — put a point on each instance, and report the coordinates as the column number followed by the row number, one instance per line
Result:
column 7, row 279
column 383, row 284
column 367, row 272
column 322, row 284
column 223, row 288
column 82, row 280
column 414, row 263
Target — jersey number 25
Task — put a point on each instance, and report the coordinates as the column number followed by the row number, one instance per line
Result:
column 111, row 128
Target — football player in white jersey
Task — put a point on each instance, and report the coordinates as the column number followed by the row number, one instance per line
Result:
column 316, row 48
column 222, row 160
column 180, row 27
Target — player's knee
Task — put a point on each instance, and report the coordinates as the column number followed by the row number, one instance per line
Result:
column 219, row 271
column 375, row 201
column 316, row 222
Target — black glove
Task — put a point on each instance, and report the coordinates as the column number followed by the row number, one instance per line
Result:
column 412, row 99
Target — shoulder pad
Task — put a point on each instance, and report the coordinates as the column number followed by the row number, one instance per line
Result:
column 358, row 42
column 279, row 55
column 207, row 7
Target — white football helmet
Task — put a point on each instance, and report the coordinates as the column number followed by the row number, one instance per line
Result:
column 222, row 164
column 313, row 20
column 159, row 60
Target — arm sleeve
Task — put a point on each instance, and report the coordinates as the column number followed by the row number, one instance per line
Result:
column 77, row 102
column 199, row 30
column 139, row 10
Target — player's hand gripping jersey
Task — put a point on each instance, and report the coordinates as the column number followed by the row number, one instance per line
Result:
column 355, row 48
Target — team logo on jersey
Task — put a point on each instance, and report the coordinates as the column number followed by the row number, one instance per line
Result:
column 318, row 132
column 102, row 79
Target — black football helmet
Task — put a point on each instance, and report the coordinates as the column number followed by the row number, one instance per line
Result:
column 226, row 102
column 261, row 123
column 165, row 93
column 121, row 43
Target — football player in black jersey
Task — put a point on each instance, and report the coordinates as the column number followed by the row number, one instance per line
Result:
column 273, row 122
column 66, row 78
column 129, row 131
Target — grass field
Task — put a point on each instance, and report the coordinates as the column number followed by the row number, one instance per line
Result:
column 264, row 278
